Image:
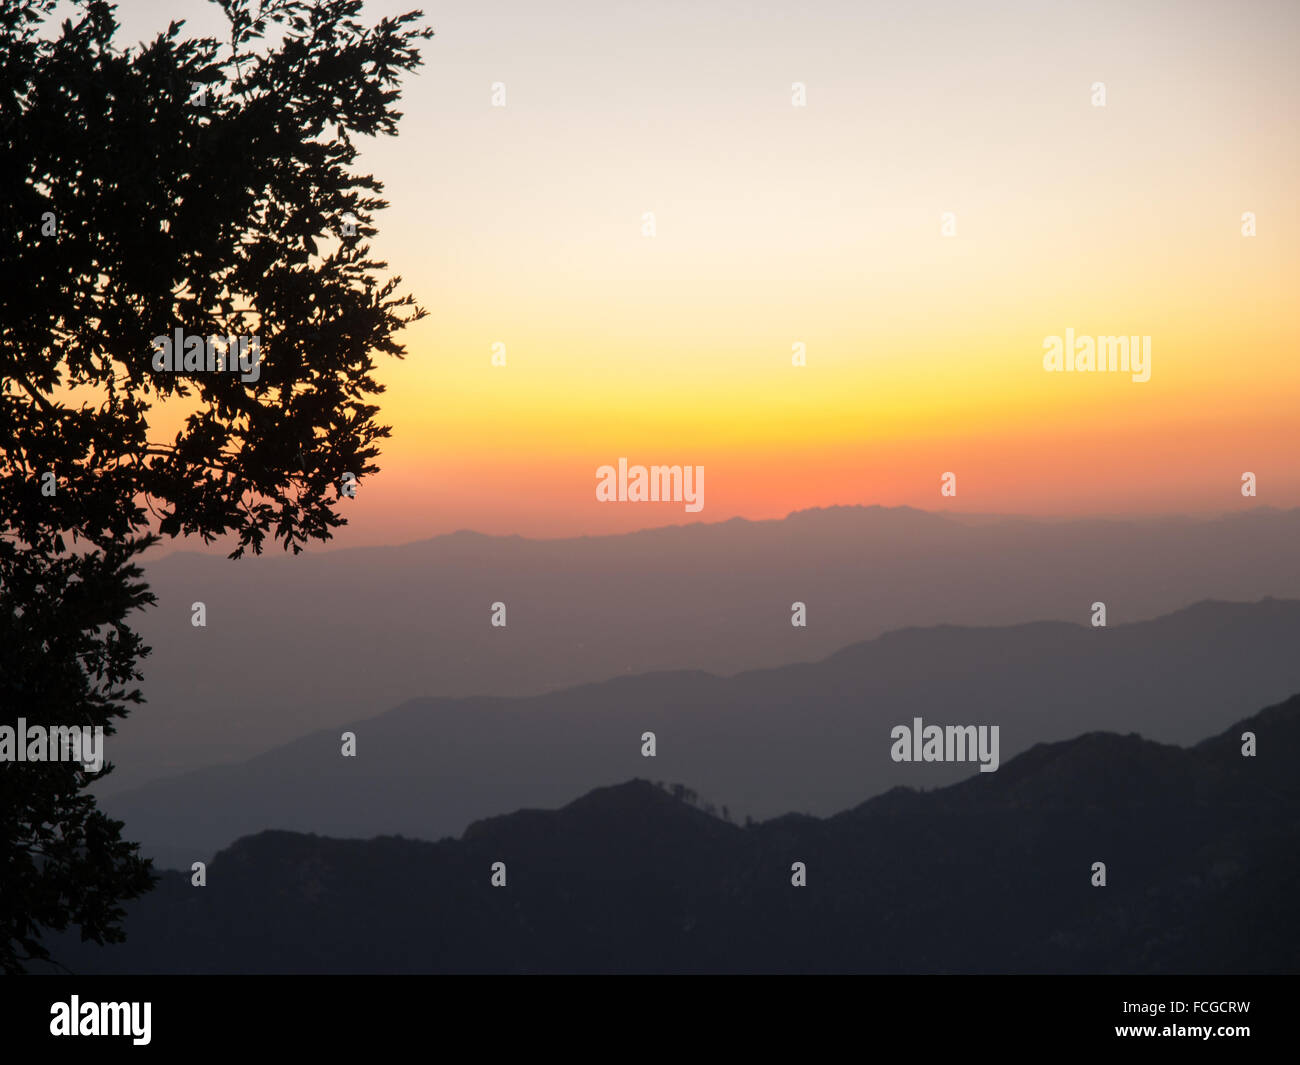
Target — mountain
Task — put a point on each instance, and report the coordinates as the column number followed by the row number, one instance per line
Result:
column 1201, row 849
column 297, row 644
column 812, row 737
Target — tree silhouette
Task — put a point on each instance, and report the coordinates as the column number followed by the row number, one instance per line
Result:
column 183, row 184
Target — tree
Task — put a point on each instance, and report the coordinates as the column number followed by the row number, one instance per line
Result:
column 183, row 184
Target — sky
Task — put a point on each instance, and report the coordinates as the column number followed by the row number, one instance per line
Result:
column 822, row 225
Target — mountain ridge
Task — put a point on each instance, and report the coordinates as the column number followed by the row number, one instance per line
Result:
column 292, row 644
column 1201, row 863
column 809, row 736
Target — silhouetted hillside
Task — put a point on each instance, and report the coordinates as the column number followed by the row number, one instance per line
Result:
column 293, row 645
column 811, row 737
column 993, row 874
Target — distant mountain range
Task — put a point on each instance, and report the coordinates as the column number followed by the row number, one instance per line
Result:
column 293, row 645
column 813, row 738
column 1201, row 849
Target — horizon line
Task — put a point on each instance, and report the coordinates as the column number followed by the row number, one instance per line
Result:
column 180, row 545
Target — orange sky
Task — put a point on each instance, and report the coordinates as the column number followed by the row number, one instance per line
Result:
column 821, row 224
